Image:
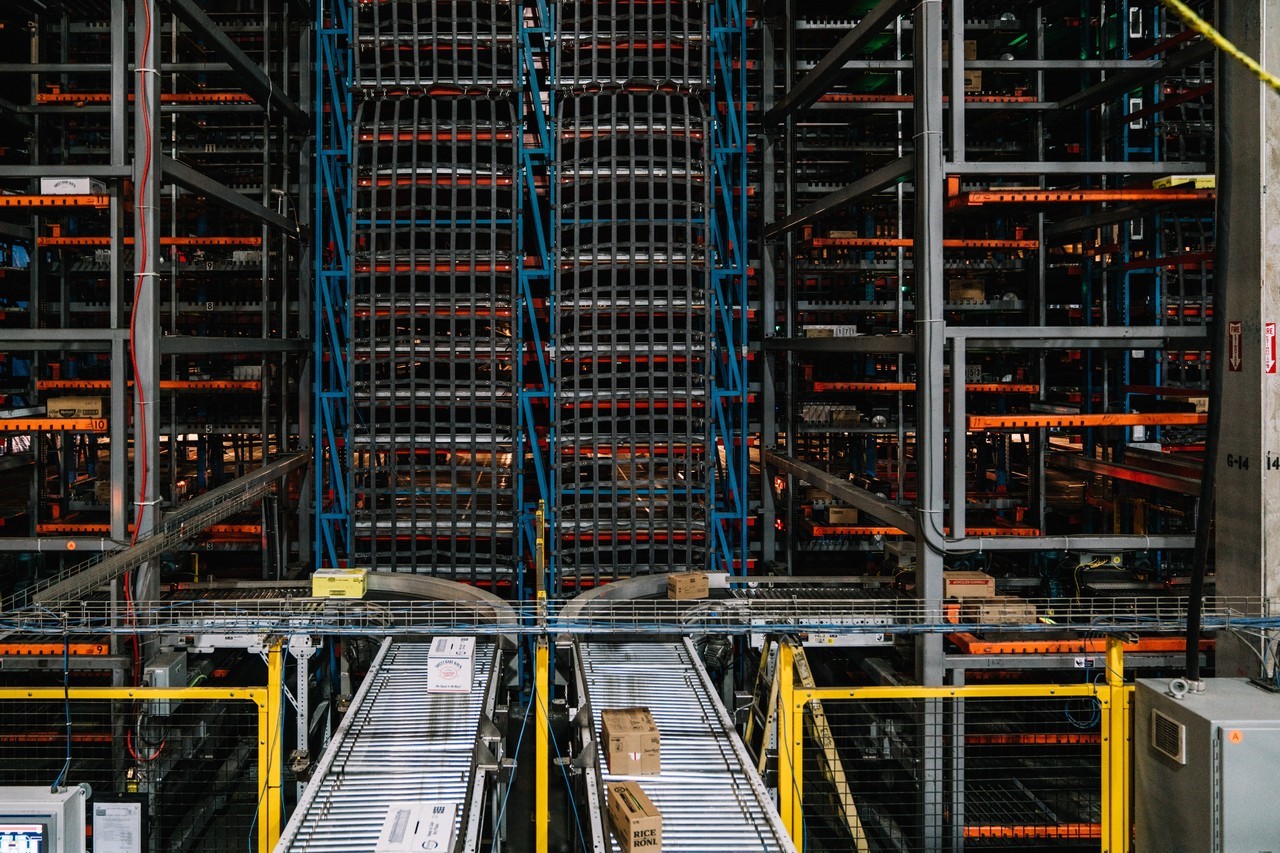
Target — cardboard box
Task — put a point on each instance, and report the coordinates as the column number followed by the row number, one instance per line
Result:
column 1197, row 182
column 339, row 583
column 841, row 235
column 970, row 49
column 687, row 585
column 842, row 515
column 412, row 825
column 632, row 746
column 102, row 491
column 973, row 81
column 636, row 820
column 450, row 664
column 74, row 407
column 966, row 290
column 968, row 585
column 71, row 186
column 998, row 610
column 819, row 332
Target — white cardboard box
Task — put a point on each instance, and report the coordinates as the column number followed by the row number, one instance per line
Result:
column 71, row 186
column 450, row 663
column 418, row 826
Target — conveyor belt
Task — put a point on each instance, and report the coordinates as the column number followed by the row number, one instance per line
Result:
column 398, row 743
column 709, row 793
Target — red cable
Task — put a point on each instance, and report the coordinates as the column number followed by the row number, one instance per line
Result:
column 141, row 436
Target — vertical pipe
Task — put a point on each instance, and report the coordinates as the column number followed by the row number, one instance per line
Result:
column 144, row 340
column 542, row 751
column 119, row 519
column 768, row 303
column 956, row 79
column 790, row 743
column 959, row 455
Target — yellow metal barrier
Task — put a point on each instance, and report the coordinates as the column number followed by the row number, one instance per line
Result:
column 270, row 711
column 1114, row 700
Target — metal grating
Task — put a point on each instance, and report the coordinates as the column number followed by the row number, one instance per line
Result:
column 432, row 351
column 397, row 743
column 709, row 793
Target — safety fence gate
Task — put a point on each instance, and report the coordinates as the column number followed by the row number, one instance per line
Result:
column 204, row 761
column 1041, row 767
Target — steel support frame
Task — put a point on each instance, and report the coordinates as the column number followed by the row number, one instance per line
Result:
column 727, row 312
column 535, row 439
column 332, row 280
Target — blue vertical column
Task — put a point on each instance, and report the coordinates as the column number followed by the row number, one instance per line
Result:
column 728, row 310
column 535, row 309
column 332, row 279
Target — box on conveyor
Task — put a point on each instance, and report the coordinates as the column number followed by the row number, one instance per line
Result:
column 686, row 586
column 968, row 585
column 998, row 610
column 636, row 820
column 632, row 746
column 339, row 583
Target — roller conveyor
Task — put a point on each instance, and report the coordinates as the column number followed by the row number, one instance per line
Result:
column 398, row 743
column 710, row 795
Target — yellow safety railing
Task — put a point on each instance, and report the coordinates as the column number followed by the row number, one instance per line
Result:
column 1113, row 696
column 270, row 716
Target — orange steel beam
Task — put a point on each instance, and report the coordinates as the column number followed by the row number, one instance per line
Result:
column 46, row 649
column 438, row 136
column 851, row 98
column 83, row 242
column 976, row 387
column 906, row 243
column 72, row 528
column 55, row 201
column 1035, row 196
column 1105, row 419
column 165, row 384
column 867, row 530
column 463, row 269
column 53, row 424
column 970, row 644
column 1035, row 739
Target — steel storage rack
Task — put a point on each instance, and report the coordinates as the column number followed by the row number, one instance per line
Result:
column 434, row 281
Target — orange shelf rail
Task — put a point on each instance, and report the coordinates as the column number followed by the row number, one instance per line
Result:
column 90, row 242
column 165, row 98
column 438, row 136
column 851, row 98
column 970, row 644
column 1044, row 831
column 70, row 528
column 40, row 648
column 977, row 198
column 55, row 201
column 165, row 384
column 1035, row 739
column 53, row 424
column 871, row 530
column 974, row 387
column 906, row 243
column 1105, row 419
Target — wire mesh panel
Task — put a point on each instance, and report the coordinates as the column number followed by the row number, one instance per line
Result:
column 612, row 41
column 432, row 353
column 632, row 295
column 193, row 764
column 953, row 774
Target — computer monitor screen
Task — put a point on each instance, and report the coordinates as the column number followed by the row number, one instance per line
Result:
column 17, row 836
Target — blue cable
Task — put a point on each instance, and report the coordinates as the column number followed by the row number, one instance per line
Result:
column 502, row 810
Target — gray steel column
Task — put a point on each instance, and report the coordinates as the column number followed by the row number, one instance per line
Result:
column 929, row 283
column 929, row 332
column 1248, row 469
column 145, row 325
column 119, row 388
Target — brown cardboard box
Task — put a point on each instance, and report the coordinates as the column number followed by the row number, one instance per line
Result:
column 970, row 49
column 632, row 746
column 841, row 235
column 819, row 332
column 973, row 81
column 687, row 585
column 842, row 515
column 966, row 290
column 1000, row 609
column 636, row 820
column 74, row 407
column 968, row 585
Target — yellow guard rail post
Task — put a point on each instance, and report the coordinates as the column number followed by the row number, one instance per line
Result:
column 541, row 695
column 790, row 747
column 270, row 766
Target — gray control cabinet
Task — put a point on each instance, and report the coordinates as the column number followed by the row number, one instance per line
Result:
column 1206, row 768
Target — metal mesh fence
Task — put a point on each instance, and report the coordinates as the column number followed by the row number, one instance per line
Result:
column 194, row 765
column 953, row 774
